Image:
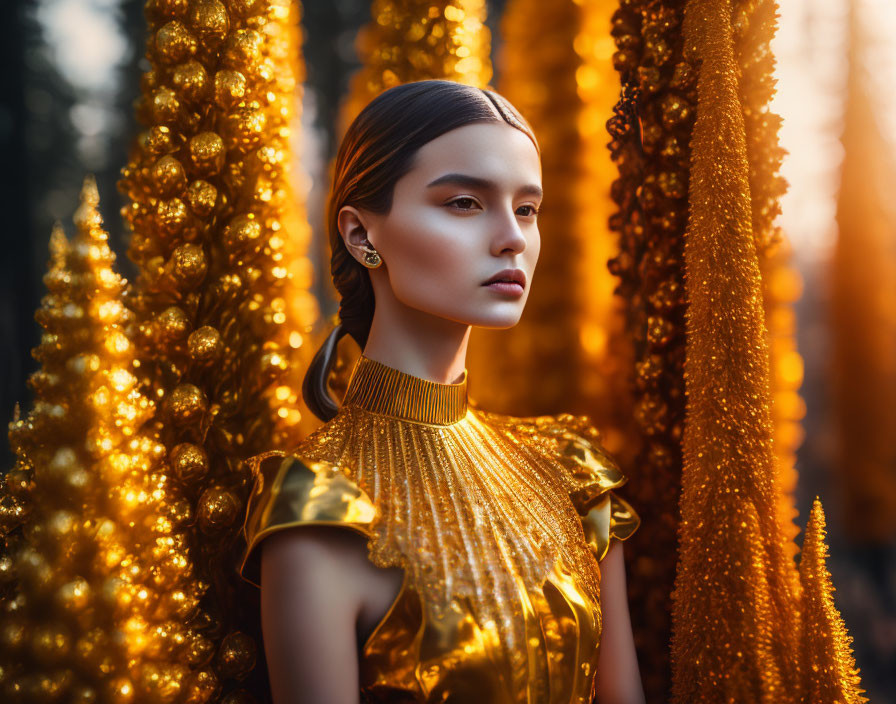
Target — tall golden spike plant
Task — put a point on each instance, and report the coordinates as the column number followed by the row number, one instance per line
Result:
column 740, row 617
column 94, row 578
column 224, row 312
column 734, row 628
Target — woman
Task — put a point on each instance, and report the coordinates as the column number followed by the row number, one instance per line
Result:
column 469, row 571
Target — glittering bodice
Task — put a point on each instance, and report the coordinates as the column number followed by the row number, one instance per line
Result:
column 498, row 522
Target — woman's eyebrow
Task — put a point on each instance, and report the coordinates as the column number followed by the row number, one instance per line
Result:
column 483, row 183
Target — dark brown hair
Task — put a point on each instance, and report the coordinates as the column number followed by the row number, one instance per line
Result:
column 377, row 150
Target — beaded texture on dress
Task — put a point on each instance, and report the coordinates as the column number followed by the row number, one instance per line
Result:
column 482, row 511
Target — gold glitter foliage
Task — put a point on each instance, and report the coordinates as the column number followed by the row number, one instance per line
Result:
column 414, row 40
column 830, row 673
column 95, row 575
column 650, row 143
column 735, row 612
column 734, row 550
column 697, row 202
column 222, row 295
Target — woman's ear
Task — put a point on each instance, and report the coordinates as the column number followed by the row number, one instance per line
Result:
column 352, row 226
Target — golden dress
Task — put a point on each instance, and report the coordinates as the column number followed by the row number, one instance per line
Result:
column 498, row 522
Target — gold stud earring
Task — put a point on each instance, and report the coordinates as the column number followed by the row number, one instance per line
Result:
column 372, row 259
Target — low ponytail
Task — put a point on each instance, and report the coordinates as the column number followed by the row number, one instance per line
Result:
column 314, row 386
column 356, row 308
column 355, row 318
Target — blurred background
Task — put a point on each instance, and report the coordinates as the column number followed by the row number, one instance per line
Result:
column 70, row 73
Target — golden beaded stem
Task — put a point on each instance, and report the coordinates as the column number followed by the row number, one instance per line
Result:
column 223, row 297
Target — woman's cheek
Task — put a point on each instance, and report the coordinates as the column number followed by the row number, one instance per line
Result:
column 435, row 280
column 416, row 275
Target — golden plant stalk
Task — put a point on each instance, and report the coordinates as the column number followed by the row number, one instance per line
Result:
column 863, row 309
column 222, row 296
column 414, row 40
column 555, row 59
column 606, row 349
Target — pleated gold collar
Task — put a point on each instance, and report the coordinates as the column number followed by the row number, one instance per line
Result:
column 383, row 389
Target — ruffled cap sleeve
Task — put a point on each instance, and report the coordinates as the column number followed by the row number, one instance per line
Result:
column 291, row 491
column 592, row 478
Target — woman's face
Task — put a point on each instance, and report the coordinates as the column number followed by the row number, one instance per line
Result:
column 465, row 212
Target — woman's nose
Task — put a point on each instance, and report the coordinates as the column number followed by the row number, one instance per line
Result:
column 509, row 235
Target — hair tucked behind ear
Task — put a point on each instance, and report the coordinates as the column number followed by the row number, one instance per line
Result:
column 377, row 150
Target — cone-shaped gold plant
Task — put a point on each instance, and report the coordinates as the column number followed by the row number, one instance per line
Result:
column 16, row 492
column 734, row 628
column 829, row 668
column 95, row 555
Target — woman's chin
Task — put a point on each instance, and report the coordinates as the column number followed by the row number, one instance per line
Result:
column 498, row 315
column 498, row 320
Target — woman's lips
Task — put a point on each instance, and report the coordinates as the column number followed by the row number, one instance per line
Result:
column 507, row 288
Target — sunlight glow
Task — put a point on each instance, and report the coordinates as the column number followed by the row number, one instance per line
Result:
column 810, row 48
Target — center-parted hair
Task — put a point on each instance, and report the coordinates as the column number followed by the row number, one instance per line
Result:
column 379, row 148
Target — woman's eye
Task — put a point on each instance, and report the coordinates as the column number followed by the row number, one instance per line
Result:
column 467, row 203
column 462, row 200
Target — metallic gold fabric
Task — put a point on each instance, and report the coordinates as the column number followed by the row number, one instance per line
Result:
column 498, row 522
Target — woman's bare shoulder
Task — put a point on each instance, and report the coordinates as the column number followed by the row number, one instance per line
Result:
column 336, row 558
column 332, row 552
column 311, row 598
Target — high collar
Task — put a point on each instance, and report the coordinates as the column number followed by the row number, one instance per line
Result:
column 383, row 389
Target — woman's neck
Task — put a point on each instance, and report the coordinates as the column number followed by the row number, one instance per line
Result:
column 418, row 343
